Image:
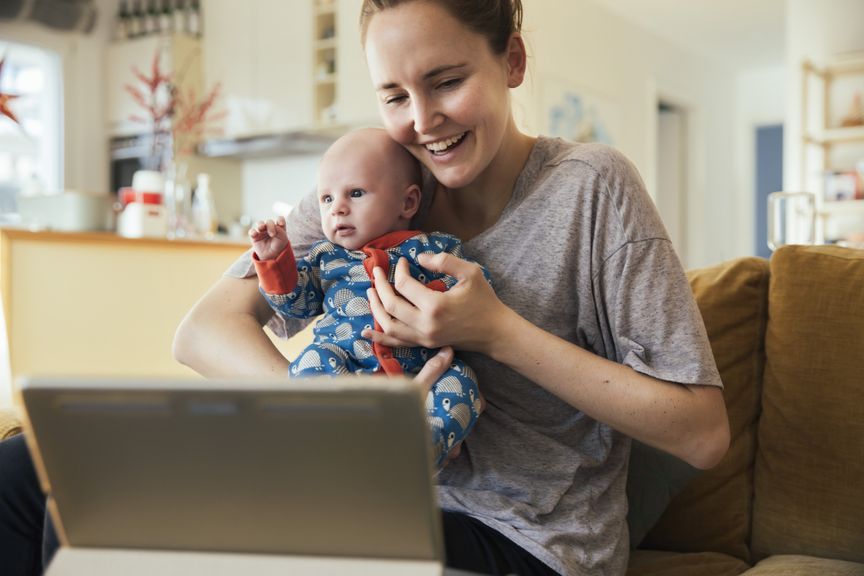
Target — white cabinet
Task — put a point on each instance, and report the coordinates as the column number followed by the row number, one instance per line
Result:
column 356, row 103
column 179, row 55
column 833, row 147
column 261, row 53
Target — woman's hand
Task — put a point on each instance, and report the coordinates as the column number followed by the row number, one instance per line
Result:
column 466, row 317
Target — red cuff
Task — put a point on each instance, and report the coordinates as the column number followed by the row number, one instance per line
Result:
column 278, row 276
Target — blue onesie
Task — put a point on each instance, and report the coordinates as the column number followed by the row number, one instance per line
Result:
column 332, row 280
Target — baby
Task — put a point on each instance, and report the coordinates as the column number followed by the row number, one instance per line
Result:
column 368, row 191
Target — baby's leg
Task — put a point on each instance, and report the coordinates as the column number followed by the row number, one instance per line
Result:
column 320, row 359
column 452, row 407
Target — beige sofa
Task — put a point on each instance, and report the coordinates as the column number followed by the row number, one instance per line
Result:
column 788, row 498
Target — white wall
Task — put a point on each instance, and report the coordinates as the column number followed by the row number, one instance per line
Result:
column 581, row 44
column 268, row 181
column 761, row 101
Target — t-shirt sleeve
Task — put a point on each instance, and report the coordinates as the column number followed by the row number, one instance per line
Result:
column 303, row 225
column 656, row 326
column 642, row 291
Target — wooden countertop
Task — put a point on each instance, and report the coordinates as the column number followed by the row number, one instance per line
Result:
column 113, row 238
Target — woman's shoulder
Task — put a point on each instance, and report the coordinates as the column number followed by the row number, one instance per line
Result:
column 556, row 154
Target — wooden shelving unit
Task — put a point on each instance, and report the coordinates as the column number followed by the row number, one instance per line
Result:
column 324, row 65
column 821, row 132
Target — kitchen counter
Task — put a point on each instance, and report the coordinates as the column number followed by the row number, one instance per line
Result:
column 94, row 303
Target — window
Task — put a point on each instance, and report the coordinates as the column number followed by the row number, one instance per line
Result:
column 31, row 153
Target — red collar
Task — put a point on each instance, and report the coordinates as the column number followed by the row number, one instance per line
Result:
column 391, row 239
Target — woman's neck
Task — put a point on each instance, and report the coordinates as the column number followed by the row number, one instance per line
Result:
column 466, row 212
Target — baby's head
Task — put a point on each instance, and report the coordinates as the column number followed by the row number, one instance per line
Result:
column 368, row 185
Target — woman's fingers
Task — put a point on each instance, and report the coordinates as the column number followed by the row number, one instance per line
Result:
column 434, row 368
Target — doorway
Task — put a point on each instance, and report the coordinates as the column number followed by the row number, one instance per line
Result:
column 769, row 178
column 671, row 194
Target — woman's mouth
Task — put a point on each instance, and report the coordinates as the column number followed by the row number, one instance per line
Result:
column 443, row 146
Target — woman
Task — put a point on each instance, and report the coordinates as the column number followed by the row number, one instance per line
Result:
column 590, row 337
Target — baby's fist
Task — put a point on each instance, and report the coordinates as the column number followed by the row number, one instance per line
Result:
column 269, row 238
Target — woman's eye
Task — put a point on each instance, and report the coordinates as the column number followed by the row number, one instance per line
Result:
column 357, row 192
column 452, row 83
column 393, row 99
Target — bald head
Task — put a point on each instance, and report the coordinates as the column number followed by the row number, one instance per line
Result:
column 374, row 146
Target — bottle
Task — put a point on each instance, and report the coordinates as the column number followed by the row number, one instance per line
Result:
column 121, row 24
column 204, row 208
column 135, row 21
column 166, row 18
column 193, row 20
column 179, row 17
column 153, row 18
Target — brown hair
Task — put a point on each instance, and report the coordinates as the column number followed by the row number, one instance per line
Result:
column 497, row 20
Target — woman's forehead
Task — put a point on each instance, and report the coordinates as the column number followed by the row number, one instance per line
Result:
column 416, row 39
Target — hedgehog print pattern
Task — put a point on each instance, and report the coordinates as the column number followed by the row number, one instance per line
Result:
column 333, row 280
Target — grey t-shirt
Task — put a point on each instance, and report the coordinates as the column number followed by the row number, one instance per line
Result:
column 579, row 251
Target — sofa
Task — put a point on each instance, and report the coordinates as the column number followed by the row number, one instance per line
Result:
column 788, row 497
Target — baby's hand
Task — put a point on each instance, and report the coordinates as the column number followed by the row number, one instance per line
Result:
column 269, row 238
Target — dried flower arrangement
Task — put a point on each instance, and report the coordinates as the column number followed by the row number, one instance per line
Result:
column 178, row 118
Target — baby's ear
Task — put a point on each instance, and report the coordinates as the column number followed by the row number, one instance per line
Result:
column 411, row 201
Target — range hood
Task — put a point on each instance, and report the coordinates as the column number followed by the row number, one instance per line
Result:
column 298, row 143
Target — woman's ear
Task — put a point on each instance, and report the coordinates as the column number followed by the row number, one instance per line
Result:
column 411, row 201
column 517, row 60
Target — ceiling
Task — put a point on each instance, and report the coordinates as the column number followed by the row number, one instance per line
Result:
column 740, row 33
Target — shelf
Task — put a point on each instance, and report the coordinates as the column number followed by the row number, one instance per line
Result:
column 843, row 206
column 836, row 136
column 325, row 44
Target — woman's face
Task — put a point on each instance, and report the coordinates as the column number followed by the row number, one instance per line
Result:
column 442, row 92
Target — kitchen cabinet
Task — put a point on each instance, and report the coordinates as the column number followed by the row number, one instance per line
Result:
column 95, row 304
column 355, row 96
column 288, row 66
column 179, row 55
column 833, row 146
column 261, row 53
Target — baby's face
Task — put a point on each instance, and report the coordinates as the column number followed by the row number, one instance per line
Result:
column 359, row 197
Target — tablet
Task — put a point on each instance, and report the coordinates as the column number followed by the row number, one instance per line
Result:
column 338, row 468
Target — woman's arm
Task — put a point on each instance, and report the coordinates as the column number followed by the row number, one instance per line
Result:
column 222, row 335
column 687, row 421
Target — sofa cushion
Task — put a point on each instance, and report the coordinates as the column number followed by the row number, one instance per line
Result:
column 656, row 563
column 793, row 565
column 9, row 423
column 810, row 464
column 713, row 511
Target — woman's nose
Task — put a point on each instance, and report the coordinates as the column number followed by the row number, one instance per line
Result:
column 426, row 116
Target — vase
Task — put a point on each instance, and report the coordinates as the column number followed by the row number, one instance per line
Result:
column 178, row 200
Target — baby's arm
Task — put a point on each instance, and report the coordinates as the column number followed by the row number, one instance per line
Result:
column 452, row 407
column 269, row 238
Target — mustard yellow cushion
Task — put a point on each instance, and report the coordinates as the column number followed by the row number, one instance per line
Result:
column 9, row 424
column 654, row 563
column 805, row 566
column 809, row 495
column 713, row 511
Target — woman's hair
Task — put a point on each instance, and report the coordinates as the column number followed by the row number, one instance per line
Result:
column 494, row 19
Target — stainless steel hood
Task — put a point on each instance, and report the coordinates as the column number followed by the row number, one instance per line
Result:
column 301, row 142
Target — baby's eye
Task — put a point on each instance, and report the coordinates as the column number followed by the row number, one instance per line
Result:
column 326, row 199
column 357, row 192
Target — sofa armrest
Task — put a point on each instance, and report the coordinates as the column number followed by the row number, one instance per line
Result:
column 10, row 424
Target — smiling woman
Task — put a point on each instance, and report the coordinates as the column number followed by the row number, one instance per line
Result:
column 30, row 140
